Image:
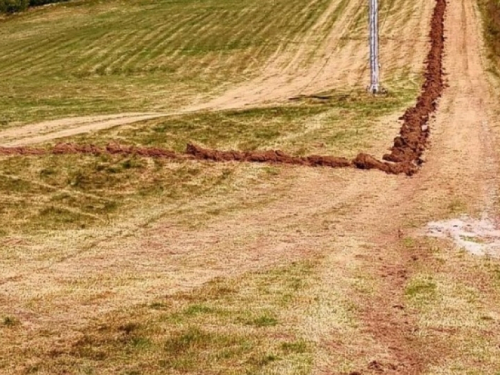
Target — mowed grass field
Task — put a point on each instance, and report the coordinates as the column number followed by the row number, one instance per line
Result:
column 90, row 284
column 88, row 57
column 95, row 57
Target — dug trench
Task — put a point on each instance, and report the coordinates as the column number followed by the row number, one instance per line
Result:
column 406, row 152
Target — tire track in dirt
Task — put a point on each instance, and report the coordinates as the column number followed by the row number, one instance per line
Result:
column 49, row 130
column 405, row 156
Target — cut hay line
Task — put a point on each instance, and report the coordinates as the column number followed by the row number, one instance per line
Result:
column 143, row 38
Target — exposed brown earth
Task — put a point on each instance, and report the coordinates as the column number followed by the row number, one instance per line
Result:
column 271, row 156
column 410, row 144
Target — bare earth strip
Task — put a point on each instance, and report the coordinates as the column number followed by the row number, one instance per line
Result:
column 49, row 130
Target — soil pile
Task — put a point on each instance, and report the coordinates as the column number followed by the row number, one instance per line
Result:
column 114, row 149
column 8, row 151
column 410, row 144
column 270, row 156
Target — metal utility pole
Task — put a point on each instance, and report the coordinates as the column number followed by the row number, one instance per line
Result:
column 374, row 85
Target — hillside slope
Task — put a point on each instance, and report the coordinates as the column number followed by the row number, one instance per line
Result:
column 128, row 265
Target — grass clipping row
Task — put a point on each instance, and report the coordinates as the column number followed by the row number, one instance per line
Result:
column 405, row 155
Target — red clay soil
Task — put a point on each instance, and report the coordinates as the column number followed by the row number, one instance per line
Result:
column 270, row 156
column 110, row 149
column 21, row 151
column 114, row 149
column 410, row 144
column 405, row 156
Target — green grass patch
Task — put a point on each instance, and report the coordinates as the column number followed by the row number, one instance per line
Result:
column 491, row 16
column 9, row 321
column 421, row 289
column 343, row 124
column 77, row 192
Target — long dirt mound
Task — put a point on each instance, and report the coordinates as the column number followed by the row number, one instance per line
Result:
column 406, row 152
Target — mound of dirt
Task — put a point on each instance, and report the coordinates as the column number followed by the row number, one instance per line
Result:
column 411, row 142
column 270, row 156
column 11, row 151
column 154, row 152
column 365, row 161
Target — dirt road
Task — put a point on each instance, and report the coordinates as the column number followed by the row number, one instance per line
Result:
column 48, row 130
column 354, row 221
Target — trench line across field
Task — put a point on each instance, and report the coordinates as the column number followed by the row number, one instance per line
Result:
column 405, row 155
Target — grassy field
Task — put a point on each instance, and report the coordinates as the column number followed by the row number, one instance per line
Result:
column 87, row 57
column 491, row 18
column 242, row 325
column 90, row 286
column 129, row 265
column 98, row 57
column 75, row 192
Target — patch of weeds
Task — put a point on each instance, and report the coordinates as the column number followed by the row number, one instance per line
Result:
column 472, row 239
column 141, row 343
column 158, row 306
column 272, row 171
column 197, row 309
column 129, row 327
column 47, row 172
column 264, row 360
column 10, row 321
column 298, row 347
column 496, row 273
column 409, row 242
column 189, row 339
column 421, row 289
column 265, row 320
column 187, row 348
column 296, row 283
column 248, row 129
column 58, row 215
column 220, row 327
column 131, row 163
column 87, row 370
column 11, row 186
column 32, row 369
column 457, row 206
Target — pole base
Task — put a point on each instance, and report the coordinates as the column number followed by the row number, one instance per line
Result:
column 374, row 89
